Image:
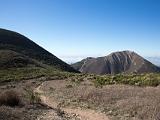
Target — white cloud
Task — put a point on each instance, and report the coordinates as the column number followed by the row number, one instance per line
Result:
column 154, row 60
column 74, row 58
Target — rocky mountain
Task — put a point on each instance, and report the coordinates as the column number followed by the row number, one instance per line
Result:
column 17, row 50
column 117, row 62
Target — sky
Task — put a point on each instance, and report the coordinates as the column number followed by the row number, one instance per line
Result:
column 75, row 29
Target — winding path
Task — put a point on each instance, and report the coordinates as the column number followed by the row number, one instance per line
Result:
column 81, row 114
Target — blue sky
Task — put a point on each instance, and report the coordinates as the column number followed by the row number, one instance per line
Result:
column 74, row 29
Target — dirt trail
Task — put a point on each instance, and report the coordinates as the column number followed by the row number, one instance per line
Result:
column 81, row 114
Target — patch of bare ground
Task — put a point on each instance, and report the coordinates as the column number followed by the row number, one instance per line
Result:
column 119, row 102
column 18, row 104
column 68, row 112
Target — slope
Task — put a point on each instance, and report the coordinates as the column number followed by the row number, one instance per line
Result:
column 117, row 62
column 27, row 52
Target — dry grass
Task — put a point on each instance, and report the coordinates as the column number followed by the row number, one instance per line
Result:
column 121, row 102
column 126, row 102
column 10, row 98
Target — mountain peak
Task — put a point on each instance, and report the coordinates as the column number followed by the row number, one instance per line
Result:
column 123, row 52
column 117, row 62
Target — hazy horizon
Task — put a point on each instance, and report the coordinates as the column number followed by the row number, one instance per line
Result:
column 76, row 29
column 73, row 59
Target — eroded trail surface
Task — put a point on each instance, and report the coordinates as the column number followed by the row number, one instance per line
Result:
column 73, row 113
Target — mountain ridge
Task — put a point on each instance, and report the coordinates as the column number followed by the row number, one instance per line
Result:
column 116, row 62
column 25, row 48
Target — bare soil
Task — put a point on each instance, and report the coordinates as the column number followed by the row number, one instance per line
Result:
column 80, row 114
column 69, row 100
column 118, row 102
column 26, row 110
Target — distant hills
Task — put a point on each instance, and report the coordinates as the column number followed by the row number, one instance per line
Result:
column 17, row 50
column 117, row 62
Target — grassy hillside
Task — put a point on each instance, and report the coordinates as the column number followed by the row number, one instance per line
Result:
column 28, row 51
column 26, row 73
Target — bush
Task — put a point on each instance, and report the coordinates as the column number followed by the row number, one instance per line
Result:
column 10, row 98
column 69, row 86
column 99, row 82
column 129, row 79
column 32, row 96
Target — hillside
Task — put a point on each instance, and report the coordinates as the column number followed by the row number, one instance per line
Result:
column 17, row 50
column 11, row 59
column 117, row 62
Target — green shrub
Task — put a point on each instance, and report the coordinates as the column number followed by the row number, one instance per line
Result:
column 129, row 79
column 99, row 81
column 32, row 96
